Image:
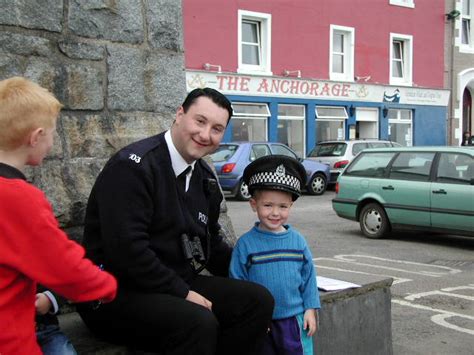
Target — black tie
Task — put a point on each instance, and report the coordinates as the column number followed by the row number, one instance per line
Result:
column 181, row 179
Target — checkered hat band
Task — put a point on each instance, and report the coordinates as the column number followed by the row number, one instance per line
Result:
column 269, row 178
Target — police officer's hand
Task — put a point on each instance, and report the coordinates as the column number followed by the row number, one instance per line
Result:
column 198, row 299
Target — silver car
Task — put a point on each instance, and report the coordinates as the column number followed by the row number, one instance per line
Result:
column 338, row 154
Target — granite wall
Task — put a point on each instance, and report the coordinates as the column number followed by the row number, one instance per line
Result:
column 117, row 66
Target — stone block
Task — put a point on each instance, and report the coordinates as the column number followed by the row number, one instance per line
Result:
column 85, row 136
column 115, row 20
column 356, row 321
column 80, row 176
column 165, row 25
column 35, row 14
column 126, row 91
column 80, row 50
column 16, row 43
column 10, row 65
column 47, row 74
column 84, row 89
column 128, row 127
column 164, row 73
column 49, row 178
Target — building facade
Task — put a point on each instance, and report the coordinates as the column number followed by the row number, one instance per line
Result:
column 459, row 59
column 307, row 71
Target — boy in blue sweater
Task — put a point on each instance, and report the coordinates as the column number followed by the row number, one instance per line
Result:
column 276, row 256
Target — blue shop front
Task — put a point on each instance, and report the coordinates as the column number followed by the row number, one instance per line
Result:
column 301, row 112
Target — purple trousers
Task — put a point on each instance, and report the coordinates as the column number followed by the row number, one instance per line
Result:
column 287, row 337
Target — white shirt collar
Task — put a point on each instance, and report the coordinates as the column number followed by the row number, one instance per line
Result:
column 177, row 161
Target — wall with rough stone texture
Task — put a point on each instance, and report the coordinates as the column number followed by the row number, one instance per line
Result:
column 117, row 66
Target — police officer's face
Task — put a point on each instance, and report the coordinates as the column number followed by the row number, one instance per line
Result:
column 199, row 131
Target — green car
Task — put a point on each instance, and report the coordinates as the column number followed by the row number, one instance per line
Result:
column 415, row 188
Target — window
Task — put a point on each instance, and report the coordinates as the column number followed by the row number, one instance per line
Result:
column 249, row 122
column 400, row 127
column 258, row 151
column 224, row 152
column 254, row 40
column 370, row 165
column 341, row 58
column 412, row 166
column 330, row 123
column 404, row 3
column 401, row 49
column 455, row 168
column 291, row 127
column 358, row 147
column 466, row 28
column 282, row 150
column 329, row 150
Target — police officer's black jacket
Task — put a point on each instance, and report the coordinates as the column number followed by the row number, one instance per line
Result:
column 135, row 217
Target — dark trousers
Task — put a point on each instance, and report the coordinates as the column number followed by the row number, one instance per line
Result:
column 241, row 314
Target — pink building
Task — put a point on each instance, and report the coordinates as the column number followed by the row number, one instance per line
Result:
column 304, row 71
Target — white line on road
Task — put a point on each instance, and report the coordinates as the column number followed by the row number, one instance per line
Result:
column 467, row 287
column 414, row 296
column 350, row 259
column 439, row 318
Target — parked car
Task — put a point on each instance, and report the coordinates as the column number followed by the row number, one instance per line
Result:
column 417, row 188
column 230, row 160
column 338, row 154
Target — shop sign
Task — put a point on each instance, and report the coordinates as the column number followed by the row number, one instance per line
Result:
column 236, row 84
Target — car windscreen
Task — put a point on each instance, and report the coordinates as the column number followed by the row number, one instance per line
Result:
column 224, row 152
column 329, row 150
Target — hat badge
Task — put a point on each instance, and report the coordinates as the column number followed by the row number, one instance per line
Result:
column 280, row 170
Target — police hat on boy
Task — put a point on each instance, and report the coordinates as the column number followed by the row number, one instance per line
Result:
column 276, row 172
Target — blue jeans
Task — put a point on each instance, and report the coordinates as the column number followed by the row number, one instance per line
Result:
column 53, row 342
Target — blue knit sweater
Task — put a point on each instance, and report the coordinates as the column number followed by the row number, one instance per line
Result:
column 283, row 264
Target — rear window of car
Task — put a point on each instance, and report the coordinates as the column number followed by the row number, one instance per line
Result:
column 224, row 152
column 370, row 165
column 329, row 150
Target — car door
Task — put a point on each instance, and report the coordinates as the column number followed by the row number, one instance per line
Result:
column 406, row 191
column 452, row 195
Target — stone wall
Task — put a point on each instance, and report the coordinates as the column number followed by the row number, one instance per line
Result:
column 117, row 66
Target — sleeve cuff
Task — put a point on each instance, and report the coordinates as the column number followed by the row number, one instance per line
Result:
column 53, row 302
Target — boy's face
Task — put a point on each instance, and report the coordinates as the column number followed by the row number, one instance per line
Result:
column 273, row 209
column 199, row 131
column 43, row 140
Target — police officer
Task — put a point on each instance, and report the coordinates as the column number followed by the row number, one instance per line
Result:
column 152, row 221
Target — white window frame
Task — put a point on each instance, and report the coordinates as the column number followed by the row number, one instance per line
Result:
column 401, row 120
column 333, row 118
column 265, row 40
column 264, row 106
column 297, row 118
column 407, row 59
column 264, row 115
column 348, row 53
column 465, row 47
column 344, row 115
column 403, row 3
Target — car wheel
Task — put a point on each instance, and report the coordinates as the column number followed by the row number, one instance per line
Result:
column 373, row 221
column 243, row 192
column 317, row 185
